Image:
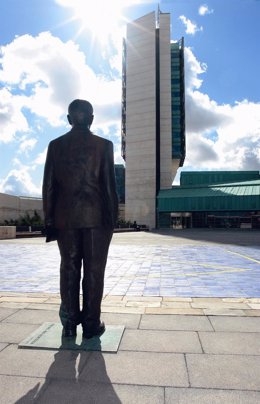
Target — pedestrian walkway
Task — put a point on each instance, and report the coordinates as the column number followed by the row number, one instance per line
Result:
column 196, row 357
column 175, row 349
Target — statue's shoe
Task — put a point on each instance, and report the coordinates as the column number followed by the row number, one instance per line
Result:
column 94, row 331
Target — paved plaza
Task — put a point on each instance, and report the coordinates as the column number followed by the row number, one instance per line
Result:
column 190, row 305
column 188, row 264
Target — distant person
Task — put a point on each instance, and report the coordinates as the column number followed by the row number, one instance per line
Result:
column 135, row 226
column 80, row 206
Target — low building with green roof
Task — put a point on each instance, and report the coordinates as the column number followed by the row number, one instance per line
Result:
column 211, row 199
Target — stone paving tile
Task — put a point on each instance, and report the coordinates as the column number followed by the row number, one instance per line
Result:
column 207, row 304
column 3, row 345
column 139, row 368
column 177, row 299
column 55, row 300
column 176, row 305
column 9, row 293
column 160, row 341
column 233, row 324
column 113, row 298
column 26, row 316
column 13, row 334
column 253, row 313
column 224, row 371
column 143, row 299
column 212, row 396
column 230, row 343
column 127, row 310
column 175, row 322
column 253, row 300
column 142, row 304
column 13, row 305
column 40, row 295
column 41, row 363
column 43, row 306
column 6, row 312
column 235, row 299
column 15, row 388
column 169, row 310
column 255, row 306
column 128, row 320
column 224, row 312
column 210, row 300
column 113, row 303
column 22, row 299
column 99, row 393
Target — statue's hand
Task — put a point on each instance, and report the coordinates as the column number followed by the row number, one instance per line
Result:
column 51, row 233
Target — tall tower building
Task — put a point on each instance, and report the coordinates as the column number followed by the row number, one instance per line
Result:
column 153, row 114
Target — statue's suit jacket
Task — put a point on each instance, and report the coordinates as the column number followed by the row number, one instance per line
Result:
column 79, row 188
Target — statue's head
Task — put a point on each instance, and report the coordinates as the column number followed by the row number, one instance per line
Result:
column 80, row 113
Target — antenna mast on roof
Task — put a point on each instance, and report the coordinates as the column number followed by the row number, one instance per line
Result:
column 158, row 16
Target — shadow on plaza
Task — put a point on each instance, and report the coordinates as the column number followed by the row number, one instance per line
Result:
column 74, row 376
column 239, row 237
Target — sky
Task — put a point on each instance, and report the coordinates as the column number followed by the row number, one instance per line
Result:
column 53, row 51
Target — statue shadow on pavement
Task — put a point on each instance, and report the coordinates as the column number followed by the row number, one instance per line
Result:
column 74, row 376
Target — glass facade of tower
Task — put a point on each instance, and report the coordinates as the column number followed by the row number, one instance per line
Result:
column 178, row 101
column 120, row 182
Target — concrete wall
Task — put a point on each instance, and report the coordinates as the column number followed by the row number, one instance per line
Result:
column 7, row 232
column 12, row 207
column 165, row 103
column 140, row 121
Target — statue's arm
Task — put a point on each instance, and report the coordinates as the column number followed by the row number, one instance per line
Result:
column 48, row 188
column 110, row 185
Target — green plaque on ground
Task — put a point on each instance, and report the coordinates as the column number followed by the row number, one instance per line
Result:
column 49, row 336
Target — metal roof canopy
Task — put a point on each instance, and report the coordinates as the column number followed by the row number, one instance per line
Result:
column 189, row 178
column 236, row 196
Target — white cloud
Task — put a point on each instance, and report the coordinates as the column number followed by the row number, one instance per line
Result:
column 26, row 145
column 50, row 74
column 202, row 150
column 218, row 137
column 193, row 70
column 204, row 9
column 11, row 117
column 115, row 61
column 191, row 27
column 19, row 182
column 41, row 157
column 204, row 114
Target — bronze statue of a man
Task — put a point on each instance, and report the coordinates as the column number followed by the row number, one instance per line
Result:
column 80, row 207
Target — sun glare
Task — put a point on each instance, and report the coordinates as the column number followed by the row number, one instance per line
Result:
column 101, row 18
column 104, row 19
